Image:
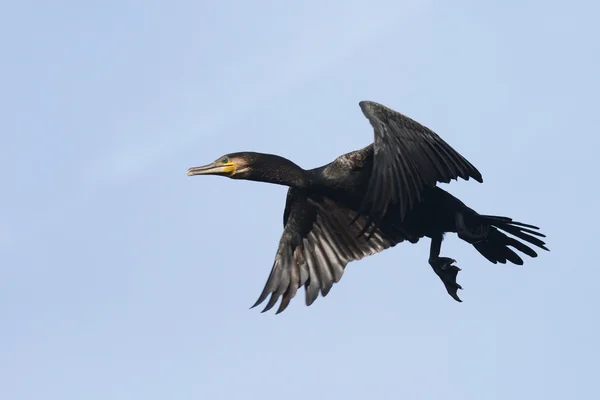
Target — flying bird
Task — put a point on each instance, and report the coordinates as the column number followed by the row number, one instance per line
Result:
column 369, row 200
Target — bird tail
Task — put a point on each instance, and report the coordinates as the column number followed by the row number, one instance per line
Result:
column 494, row 244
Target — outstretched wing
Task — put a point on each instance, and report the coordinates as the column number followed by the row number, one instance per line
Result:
column 316, row 245
column 408, row 157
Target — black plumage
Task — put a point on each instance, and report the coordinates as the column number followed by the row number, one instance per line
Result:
column 369, row 200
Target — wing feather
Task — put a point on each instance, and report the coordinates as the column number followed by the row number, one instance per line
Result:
column 316, row 245
column 408, row 157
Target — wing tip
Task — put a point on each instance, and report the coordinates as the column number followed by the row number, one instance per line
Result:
column 372, row 108
column 365, row 103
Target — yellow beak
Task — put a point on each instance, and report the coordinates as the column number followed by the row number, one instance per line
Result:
column 213, row 169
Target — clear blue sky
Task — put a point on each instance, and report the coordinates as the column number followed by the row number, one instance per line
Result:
column 122, row 278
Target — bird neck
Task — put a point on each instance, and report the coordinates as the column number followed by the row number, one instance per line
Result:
column 274, row 169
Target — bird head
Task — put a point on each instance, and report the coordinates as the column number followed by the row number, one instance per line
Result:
column 254, row 166
column 230, row 165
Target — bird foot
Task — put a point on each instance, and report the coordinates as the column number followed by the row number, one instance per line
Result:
column 444, row 268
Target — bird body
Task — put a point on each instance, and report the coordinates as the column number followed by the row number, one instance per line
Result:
column 369, row 200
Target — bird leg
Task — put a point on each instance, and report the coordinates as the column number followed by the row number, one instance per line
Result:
column 444, row 268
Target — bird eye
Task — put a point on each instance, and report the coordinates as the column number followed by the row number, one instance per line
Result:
column 225, row 160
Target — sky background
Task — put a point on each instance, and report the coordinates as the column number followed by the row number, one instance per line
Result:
column 122, row 278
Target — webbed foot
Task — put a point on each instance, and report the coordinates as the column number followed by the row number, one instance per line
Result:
column 444, row 268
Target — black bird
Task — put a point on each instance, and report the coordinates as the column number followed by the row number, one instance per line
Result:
column 369, row 200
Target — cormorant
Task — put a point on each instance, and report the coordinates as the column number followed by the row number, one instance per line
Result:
column 370, row 200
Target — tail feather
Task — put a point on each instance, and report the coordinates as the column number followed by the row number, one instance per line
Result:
column 510, row 222
column 496, row 246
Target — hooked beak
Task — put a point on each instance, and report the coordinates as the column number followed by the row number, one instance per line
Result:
column 213, row 169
